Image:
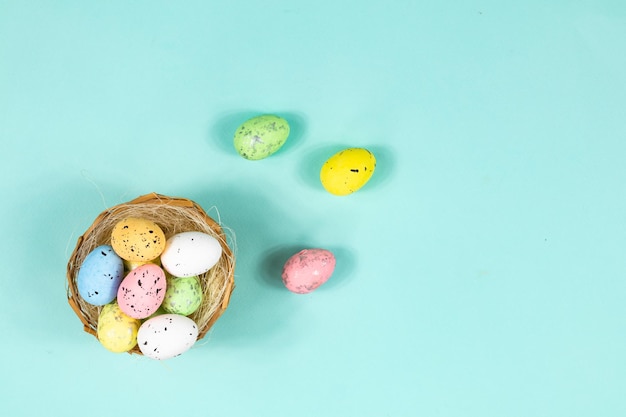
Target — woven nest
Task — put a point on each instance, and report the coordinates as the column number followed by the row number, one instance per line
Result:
column 173, row 215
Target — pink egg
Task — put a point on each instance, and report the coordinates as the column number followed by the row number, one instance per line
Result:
column 307, row 270
column 142, row 291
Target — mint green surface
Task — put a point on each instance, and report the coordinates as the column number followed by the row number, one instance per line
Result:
column 480, row 273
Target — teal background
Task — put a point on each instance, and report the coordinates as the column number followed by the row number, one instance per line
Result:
column 481, row 272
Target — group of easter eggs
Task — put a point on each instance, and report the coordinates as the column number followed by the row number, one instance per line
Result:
column 343, row 173
column 147, row 286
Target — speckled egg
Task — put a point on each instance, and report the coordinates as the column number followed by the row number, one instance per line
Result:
column 261, row 136
column 131, row 265
column 117, row 331
column 136, row 239
column 190, row 253
column 100, row 275
column 159, row 312
column 307, row 270
column 183, row 295
column 347, row 171
column 142, row 291
column 166, row 336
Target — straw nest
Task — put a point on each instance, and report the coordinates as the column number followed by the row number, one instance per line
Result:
column 173, row 215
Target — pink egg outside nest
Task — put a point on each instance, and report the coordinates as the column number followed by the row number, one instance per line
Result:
column 307, row 270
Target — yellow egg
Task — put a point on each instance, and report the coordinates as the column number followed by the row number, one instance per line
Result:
column 137, row 240
column 117, row 332
column 131, row 265
column 347, row 171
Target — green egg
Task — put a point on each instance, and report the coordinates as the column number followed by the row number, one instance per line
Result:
column 183, row 295
column 261, row 136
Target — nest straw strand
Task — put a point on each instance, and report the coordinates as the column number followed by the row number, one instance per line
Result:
column 174, row 215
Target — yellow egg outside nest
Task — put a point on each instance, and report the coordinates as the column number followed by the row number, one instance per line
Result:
column 347, row 171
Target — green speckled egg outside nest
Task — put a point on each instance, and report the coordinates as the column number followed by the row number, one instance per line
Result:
column 261, row 136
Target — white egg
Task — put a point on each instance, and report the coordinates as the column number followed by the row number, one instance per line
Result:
column 166, row 336
column 190, row 253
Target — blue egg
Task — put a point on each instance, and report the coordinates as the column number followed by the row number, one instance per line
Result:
column 100, row 276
